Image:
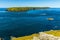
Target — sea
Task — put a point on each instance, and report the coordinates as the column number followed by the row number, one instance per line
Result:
column 29, row 22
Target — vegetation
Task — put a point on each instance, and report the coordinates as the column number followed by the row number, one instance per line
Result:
column 25, row 37
column 53, row 32
column 21, row 9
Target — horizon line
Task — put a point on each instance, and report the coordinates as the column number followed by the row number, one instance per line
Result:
column 23, row 6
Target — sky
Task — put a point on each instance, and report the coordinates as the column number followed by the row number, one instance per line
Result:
column 29, row 3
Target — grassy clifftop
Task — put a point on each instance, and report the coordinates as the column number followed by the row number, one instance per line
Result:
column 21, row 9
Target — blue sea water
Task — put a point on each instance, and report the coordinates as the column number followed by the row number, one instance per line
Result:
column 32, row 21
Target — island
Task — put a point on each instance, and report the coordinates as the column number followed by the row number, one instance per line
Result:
column 23, row 9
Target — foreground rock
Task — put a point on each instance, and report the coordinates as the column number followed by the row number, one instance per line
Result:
column 44, row 36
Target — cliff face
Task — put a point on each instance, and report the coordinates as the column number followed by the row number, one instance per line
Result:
column 21, row 9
